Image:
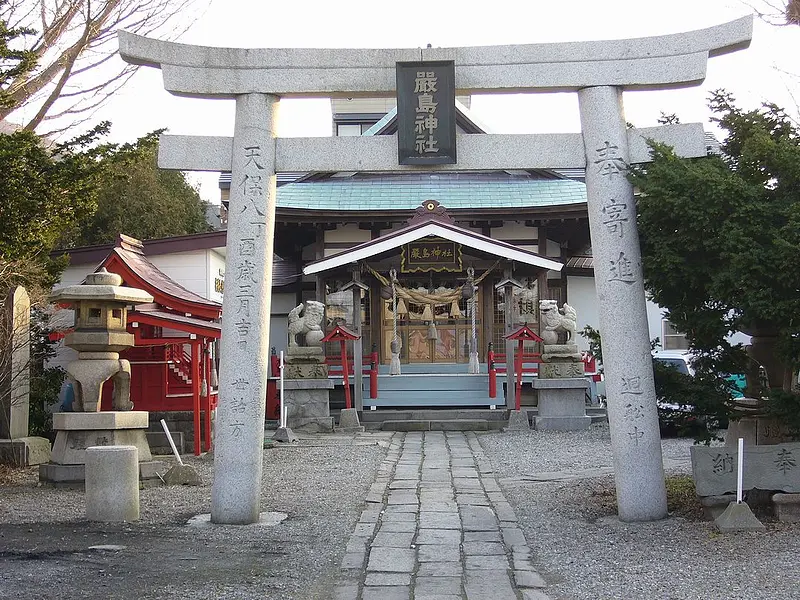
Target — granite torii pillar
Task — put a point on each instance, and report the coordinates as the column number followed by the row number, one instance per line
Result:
column 244, row 356
column 632, row 413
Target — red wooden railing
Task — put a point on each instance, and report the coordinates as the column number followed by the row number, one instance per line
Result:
column 369, row 365
column 530, row 366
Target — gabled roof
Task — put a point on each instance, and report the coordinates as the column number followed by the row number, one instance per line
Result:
column 434, row 223
column 127, row 259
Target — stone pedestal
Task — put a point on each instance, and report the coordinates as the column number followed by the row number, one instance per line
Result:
column 307, row 404
column 562, row 404
column 305, row 362
column 25, row 451
column 75, row 432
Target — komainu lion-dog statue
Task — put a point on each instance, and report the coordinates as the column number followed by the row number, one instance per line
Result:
column 554, row 321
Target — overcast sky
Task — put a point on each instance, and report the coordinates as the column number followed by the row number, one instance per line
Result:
column 753, row 75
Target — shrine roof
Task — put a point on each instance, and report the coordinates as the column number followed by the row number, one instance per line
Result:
column 431, row 219
column 128, row 260
column 378, row 192
column 153, row 315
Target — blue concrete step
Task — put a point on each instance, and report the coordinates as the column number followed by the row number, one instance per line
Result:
column 431, row 389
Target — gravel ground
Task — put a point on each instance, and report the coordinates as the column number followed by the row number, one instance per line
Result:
column 320, row 483
column 584, row 552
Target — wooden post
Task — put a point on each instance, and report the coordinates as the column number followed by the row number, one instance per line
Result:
column 518, row 395
column 373, row 372
column 346, row 373
column 358, row 348
column 509, row 328
column 492, row 372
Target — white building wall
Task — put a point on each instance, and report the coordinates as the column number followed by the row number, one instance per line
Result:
column 516, row 232
column 582, row 296
column 190, row 269
column 216, row 273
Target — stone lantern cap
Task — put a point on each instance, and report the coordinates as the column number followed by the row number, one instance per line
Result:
column 101, row 286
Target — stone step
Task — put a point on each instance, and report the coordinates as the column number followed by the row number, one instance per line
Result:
column 379, row 415
column 438, row 425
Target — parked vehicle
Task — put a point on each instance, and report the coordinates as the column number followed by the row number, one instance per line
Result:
column 676, row 404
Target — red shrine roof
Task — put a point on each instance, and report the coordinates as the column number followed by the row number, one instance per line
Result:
column 127, row 259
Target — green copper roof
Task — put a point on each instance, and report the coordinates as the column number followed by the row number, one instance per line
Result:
column 452, row 190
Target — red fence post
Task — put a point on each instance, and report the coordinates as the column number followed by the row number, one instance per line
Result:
column 492, row 373
column 196, row 393
column 373, row 373
column 208, row 394
column 519, row 374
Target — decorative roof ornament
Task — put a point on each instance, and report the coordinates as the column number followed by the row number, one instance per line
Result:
column 430, row 210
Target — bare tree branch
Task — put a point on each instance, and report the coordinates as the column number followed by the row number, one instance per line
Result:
column 75, row 43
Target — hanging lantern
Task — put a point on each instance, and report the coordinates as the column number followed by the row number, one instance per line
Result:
column 432, row 333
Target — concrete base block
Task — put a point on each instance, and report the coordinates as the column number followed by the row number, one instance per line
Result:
column 112, row 483
column 348, row 418
column 25, row 451
column 70, row 445
column 562, row 404
column 787, row 507
column 313, row 424
column 111, row 419
column 284, row 434
column 563, row 423
column 714, row 506
column 182, row 475
column 74, row 476
column 518, row 421
column 307, row 405
column 738, row 517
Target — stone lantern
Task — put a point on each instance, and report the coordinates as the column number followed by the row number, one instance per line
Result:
column 100, row 333
column 101, row 306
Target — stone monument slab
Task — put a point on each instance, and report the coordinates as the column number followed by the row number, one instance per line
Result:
column 774, row 467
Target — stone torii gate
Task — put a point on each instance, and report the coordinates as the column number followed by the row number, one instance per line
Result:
column 598, row 71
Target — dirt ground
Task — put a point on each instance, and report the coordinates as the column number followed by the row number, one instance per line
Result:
column 46, row 546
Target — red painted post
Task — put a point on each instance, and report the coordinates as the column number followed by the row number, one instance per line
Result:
column 373, row 373
column 196, row 394
column 518, row 366
column 492, row 373
column 208, row 396
column 345, row 375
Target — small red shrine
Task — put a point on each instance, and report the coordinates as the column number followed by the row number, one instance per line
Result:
column 172, row 363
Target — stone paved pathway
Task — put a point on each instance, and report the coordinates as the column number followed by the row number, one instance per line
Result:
column 437, row 527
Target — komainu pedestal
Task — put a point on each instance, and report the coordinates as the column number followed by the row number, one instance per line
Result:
column 561, row 385
column 306, row 392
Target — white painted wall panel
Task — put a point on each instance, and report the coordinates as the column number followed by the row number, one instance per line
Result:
column 349, row 233
column 187, row 268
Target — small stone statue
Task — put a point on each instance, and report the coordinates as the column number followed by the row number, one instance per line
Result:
column 307, row 320
column 553, row 321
